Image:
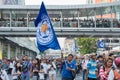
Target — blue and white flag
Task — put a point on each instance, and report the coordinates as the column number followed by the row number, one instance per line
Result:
column 45, row 35
column 101, row 44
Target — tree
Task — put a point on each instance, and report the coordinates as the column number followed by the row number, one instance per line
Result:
column 87, row 45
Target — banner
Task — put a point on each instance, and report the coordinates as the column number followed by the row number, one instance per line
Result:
column 45, row 34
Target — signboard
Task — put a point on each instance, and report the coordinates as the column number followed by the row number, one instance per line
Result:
column 101, row 44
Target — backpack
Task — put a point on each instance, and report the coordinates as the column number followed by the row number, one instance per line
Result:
column 74, row 73
column 116, row 74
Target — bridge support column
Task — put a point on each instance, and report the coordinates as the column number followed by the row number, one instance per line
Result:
column 78, row 19
column 8, row 51
column 95, row 17
column 111, row 25
column 61, row 19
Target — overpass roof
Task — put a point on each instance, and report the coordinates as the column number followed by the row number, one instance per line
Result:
column 24, row 42
column 56, row 7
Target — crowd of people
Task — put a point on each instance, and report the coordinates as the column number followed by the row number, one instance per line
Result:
column 94, row 67
column 26, row 69
column 90, row 67
column 85, row 23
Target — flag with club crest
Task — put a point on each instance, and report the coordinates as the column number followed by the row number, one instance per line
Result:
column 45, row 34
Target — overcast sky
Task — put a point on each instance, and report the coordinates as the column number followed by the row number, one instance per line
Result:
column 55, row 2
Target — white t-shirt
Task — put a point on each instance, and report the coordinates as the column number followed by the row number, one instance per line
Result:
column 84, row 64
column 11, row 65
column 45, row 67
column 14, row 76
column 41, row 75
column 52, row 70
column 111, row 75
column 4, row 75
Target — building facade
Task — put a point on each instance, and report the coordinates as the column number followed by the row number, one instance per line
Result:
column 17, row 47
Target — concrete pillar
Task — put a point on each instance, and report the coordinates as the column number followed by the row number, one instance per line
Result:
column 16, row 51
column 0, row 50
column 21, row 52
column 8, row 51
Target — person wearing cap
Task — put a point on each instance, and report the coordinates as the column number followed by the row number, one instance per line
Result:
column 91, row 73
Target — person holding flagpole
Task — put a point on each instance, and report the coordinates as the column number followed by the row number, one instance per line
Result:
column 45, row 34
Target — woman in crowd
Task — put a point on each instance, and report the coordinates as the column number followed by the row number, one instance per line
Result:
column 16, row 71
column 84, row 66
column 35, row 69
column 115, row 73
column 52, row 70
column 41, row 73
column 105, row 69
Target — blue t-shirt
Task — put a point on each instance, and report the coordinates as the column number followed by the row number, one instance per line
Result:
column 92, row 66
column 67, row 73
column 29, row 65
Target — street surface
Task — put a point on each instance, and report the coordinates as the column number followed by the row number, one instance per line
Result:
column 78, row 77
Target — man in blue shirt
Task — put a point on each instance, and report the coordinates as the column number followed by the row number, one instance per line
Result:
column 26, row 66
column 91, row 73
column 67, row 68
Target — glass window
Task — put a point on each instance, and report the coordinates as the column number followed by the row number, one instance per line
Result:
column 12, row 50
column 19, row 18
column 32, row 14
column 4, row 50
column 115, row 41
column 55, row 17
column 107, row 40
column 103, row 17
column 70, row 18
column 4, row 18
column 86, row 18
column 116, row 18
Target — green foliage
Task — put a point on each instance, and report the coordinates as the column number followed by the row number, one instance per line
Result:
column 87, row 45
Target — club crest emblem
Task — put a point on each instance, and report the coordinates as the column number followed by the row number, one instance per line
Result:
column 44, row 31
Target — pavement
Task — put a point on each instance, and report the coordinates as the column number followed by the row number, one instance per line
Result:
column 78, row 77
